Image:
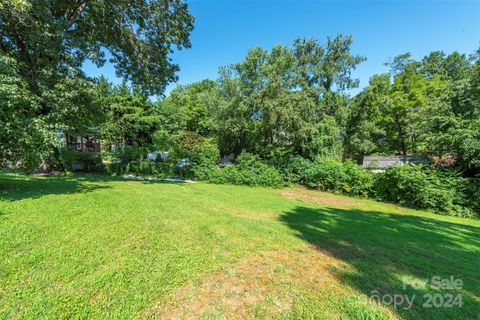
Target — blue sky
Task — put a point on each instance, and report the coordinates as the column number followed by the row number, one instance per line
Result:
column 226, row 29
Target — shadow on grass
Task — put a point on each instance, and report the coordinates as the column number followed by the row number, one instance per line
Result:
column 385, row 249
column 13, row 188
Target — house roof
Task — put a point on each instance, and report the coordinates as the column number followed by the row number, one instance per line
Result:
column 382, row 162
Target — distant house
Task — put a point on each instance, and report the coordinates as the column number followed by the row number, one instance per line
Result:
column 380, row 163
column 86, row 147
column 88, row 142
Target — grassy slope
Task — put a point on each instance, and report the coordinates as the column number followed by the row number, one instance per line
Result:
column 93, row 248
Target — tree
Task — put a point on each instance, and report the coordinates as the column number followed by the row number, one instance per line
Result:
column 364, row 131
column 289, row 97
column 21, row 137
column 130, row 118
column 52, row 38
column 47, row 42
column 453, row 67
column 432, row 106
column 29, row 136
column 195, row 103
column 454, row 122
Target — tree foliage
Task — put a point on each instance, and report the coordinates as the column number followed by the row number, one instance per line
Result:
column 429, row 106
column 51, row 39
column 130, row 119
column 289, row 96
column 43, row 47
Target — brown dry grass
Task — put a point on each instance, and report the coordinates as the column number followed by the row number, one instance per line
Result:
column 317, row 197
column 265, row 283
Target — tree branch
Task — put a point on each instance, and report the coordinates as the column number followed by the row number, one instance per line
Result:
column 72, row 17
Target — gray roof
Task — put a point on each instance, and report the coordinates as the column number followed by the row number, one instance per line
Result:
column 382, row 162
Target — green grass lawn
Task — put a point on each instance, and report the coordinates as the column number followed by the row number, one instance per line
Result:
column 90, row 247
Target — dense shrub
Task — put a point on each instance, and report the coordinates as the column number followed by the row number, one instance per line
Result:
column 249, row 170
column 203, row 173
column 204, row 158
column 330, row 174
column 421, row 187
column 132, row 160
column 470, row 189
column 293, row 168
column 90, row 161
column 202, row 154
column 185, row 143
column 129, row 154
column 80, row 161
column 205, row 153
column 67, row 158
column 120, row 160
column 327, row 174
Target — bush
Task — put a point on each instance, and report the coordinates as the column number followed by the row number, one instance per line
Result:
column 132, row 160
column 90, row 161
column 292, row 168
column 205, row 153
column 185, row 144
column 421, row 187
column 204, row 173
column 80, row 160
column 149, row 168
column 204, row 156
column 329, row 174
column 250, row 171
column 124, row 160
column 129, row 154
column 67, row 158
column 470, row 189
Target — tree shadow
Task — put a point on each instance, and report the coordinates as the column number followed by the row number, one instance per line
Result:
column 14, row 188
column 385, row 249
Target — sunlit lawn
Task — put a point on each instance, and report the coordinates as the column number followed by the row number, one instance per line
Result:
column 91, row 247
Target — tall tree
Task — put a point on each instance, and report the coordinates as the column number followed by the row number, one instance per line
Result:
column 429, row 106
column 130, row 117
column 46, row 43
column 291, row 96
column 52, row 38
column 196, row 103
column 454, row 122
column 364, row 131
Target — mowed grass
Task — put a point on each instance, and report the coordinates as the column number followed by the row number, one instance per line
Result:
column 96, row 248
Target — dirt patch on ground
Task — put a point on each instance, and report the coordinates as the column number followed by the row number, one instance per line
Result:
column 318, row 197
column 261, row 285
